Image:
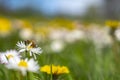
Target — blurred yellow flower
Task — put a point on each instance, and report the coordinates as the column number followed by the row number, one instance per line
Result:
column 42, row 30
column 62, row 23
column 27, row 24
column 112, row 23
column 5, row 25
column 56, row 70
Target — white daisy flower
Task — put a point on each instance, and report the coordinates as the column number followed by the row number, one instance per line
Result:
column 29, row 46
column 8, row 55
column 12, row 63
column 24, row 65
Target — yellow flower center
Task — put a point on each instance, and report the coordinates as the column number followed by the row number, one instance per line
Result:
column 23, row 63
column 9, row 56
column 29, row 47
column 30, row 44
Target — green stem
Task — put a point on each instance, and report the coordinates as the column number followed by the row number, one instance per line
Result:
column 55, row 77
column 20, row 76
column 51, row 76
column 28, row 76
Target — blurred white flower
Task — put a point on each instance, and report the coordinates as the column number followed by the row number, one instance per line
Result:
column 24, row 65
column 57, row 46
column 117, row 34
column 26, row 34
column 30, row 47
column 100, row 36
column 57, row 34
column 5, row 57
column 74, row 35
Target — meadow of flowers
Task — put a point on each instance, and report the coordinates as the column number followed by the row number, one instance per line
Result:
column 59, row 49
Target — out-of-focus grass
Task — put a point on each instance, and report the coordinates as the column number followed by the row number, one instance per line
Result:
column 84, row 62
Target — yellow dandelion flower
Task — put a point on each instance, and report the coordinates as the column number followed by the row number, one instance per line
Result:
column 56, row 70
column 62, row 70
column 112, row 23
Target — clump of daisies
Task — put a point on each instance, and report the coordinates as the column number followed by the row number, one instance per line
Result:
column 13, row 59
